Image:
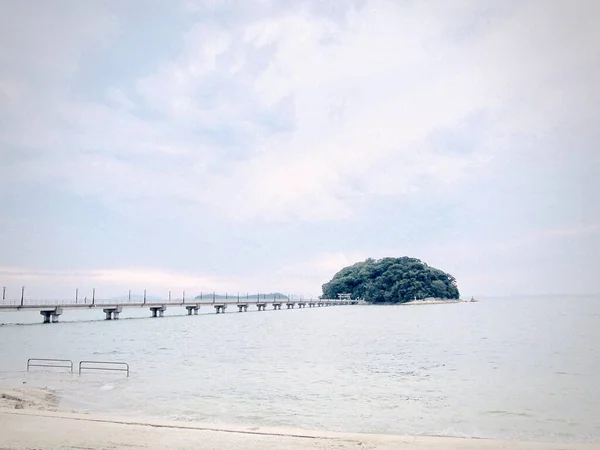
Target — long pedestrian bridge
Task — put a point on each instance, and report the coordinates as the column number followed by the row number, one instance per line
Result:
column 51, row 310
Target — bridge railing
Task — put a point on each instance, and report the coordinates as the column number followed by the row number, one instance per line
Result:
column 53, row 363
column 104, row 365
column 95, row 302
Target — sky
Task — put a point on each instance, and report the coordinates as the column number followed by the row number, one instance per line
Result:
column 261, row 146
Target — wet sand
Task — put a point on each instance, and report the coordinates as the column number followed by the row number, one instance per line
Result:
column 30, row 418
column 31, row 429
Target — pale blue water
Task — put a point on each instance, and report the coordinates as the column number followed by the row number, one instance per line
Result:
column 524, row 368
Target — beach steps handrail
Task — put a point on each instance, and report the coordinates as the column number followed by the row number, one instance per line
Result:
column 39, row 362
column 96, row 365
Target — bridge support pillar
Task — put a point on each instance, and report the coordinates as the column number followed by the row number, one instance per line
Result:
column 192, row 309
column 112, row 312
column 261, row 306
column 51, row 315
column 242, row 308
column 301, row 305
column 290, row 305
column 220, row 308
column 158, row 311
column 276, row 305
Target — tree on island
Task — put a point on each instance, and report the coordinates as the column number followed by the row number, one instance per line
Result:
column 391, row 280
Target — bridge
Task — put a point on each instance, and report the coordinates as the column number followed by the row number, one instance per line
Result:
column 51, row 310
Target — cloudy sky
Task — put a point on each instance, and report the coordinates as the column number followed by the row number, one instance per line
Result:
column 260, row 146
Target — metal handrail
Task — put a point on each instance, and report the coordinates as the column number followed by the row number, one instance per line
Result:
column 69, row 366
column 118, row 369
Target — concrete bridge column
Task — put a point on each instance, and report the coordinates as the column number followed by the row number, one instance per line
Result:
column 242, row 308
column 112, row 312
column 158, row 311
column 276, row 305
column 51, row 315
column 192, row 308
column 261, row 306
column 220, row 308
column 290, row 305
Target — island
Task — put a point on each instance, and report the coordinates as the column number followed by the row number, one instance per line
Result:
column 392, row 280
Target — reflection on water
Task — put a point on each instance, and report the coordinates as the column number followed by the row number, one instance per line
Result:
column 515, row 368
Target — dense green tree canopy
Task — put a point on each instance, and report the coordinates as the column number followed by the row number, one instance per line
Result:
column 391, row 280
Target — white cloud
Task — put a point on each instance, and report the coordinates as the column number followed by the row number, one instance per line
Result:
column 293, row 279
column 575, row 230
column 43, row 42
column 110, row 282
column 276, row 111
column 365, row 95
column 298, row 275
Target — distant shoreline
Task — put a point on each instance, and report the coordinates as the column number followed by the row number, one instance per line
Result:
column 427, row 301
column 435, row 301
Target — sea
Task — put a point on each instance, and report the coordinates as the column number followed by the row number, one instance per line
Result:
column 524, row 368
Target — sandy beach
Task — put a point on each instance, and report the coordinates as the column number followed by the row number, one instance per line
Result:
column 30, row 429
column 29, row 420
column 434, row 301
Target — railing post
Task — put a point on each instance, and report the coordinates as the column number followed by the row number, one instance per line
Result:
column 183, row 297
column 22, row 295
column 144, row 296
column 76, row 295
column 213, row 296
column 94, row 297
column 169, row 296
column 3, row 292
column 129, row 296
column 238, row 297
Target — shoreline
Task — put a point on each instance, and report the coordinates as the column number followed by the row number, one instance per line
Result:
column 427, row 301
column 31, row 418
column 28, row 429
column 435, row 301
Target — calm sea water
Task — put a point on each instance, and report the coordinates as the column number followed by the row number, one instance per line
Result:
column 523, row 368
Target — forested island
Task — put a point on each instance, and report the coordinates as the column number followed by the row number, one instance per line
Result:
column 391, row 280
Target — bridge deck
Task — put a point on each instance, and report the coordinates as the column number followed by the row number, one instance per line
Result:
column 51, row 304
